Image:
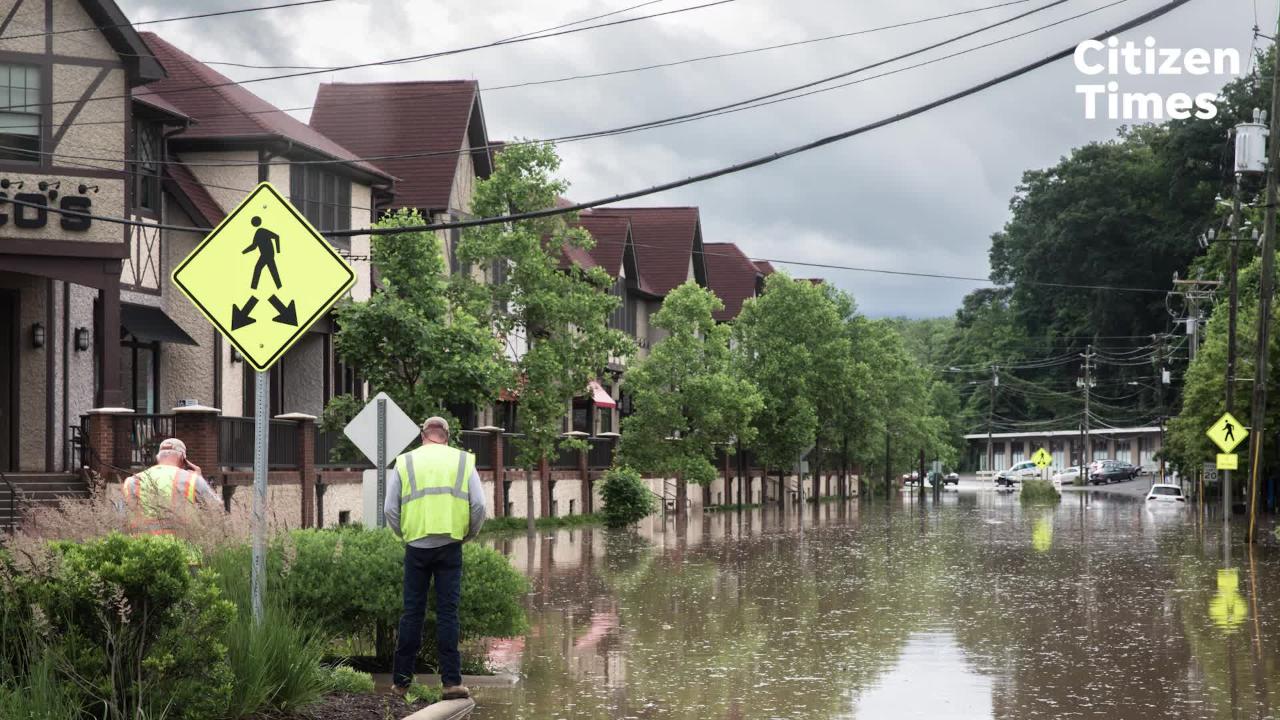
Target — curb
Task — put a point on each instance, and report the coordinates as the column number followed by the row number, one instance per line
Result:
column 497, row 680
column 445, row 710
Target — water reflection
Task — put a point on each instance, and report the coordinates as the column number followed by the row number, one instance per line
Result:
column 970, row 608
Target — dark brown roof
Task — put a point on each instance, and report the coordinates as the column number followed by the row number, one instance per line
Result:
column 731, row 276
column 146, row 96
column 140, row 65
column 431, row 119
column 192, row 194
column 664, row 239
column 224, row 110
column 610, row 234
column 765, row 267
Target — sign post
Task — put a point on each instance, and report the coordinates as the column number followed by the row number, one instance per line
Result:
column 263, row 253
column 380, row 431
column 1226, row 432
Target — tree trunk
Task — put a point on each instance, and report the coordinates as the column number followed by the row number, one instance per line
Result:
column 682, row 495
column 528, row 500
column 544, row 469
column 782, row 489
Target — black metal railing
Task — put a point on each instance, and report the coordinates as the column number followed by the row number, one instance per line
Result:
column 236, row 443
column 11, row 522
column 334, row 450
column 565, row 459
column 75, row 447
column 480, row 444
column 600, row 454
column 146, row 432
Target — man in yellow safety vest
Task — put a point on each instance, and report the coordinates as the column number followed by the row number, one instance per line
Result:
column 160, row 497
column 437, row 505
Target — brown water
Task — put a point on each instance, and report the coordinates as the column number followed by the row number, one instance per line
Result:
column 976, row 608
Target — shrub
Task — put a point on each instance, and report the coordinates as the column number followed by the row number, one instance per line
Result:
column 138, row 631
column 625, row 497
column 351, row 581
column 419, row 693
column 343, row 679
column 1039, row 492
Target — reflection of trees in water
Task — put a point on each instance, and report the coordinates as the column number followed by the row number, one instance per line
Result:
column 1097, row 615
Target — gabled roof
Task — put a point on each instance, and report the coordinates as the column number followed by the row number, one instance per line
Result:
column 155, row 102
column 140, row 65
column 731, row 276
column 192, row 195
column 610, row 234
column 665, row 239
column 227, row 111
column 429, row 119
column 765, row 267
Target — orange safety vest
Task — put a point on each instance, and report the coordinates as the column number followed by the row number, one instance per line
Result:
column 153, row 495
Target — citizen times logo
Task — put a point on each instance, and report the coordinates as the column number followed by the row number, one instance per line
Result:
column 1112, row 59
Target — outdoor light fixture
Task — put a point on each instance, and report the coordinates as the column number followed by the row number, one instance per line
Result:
column 5, row 184
column 235, row 356
column 82, row 339
column 46, row 184
column 37, row 335
column 84, row 189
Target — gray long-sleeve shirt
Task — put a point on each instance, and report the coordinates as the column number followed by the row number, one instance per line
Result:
column 475, row 498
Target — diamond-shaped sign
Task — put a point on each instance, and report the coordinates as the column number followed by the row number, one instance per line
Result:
column 263, row 276
column 1042, row 458
column 363, row 429
column 1227, row 432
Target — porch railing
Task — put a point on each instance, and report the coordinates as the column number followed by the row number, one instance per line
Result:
column 333, row 450
column 146, row 432
column 480, row 444
column 236, row 442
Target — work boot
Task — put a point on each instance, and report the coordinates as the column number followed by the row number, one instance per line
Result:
column 455, row 692
column 399, row 690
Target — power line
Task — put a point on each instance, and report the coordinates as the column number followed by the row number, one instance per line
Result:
column 219, row 13
column 411, row 58
column 737, row 106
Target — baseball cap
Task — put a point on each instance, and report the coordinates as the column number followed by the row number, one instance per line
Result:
column 435, row 421
column 172, row 445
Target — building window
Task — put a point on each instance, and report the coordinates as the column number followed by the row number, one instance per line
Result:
column 148, row 150
column 323, row 197
column 624, row 316
column 20, row 118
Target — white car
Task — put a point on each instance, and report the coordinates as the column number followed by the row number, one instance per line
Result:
column 1066, row 477
column 1025, row 470
column 1162, row 493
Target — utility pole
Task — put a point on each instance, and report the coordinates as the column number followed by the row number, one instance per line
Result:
column 1086, row 383
column 1264, row 305
column 991, row 408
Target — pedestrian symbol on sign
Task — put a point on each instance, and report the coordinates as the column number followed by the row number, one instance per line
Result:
column 1226, row 432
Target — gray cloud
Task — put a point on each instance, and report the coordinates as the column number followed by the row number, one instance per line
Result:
column 923, row 195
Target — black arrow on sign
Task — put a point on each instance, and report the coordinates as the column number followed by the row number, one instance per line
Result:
column 285, row 314
column 240, row 315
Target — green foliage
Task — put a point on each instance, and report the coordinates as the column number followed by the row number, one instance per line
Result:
column 41, row 693
column 428, row 694
column 503, row 525
column 344, row 679
column 337, row 414
column 688, row 396
column 409, row 339
column 138, row 633
column 1039, row 492
column 625, row 497
column 349, row 580
column 558, row 308
column 276, row 663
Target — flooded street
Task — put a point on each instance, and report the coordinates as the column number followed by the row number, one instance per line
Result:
column 974, row 609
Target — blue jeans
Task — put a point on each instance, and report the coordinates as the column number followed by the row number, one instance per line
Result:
column 443, row 563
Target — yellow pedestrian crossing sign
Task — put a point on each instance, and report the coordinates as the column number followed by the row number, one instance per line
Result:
column 1227, row 432
column 1042, row 458
column 263, row 276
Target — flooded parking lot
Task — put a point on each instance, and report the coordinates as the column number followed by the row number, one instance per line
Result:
column 972, row 608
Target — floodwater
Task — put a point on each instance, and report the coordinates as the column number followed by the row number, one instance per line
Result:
column 972, row 608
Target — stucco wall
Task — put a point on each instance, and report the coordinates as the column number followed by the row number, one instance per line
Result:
column 464, row 180
column 303, row 373
column 186, row 371
column 31, row 369
column 70, row 15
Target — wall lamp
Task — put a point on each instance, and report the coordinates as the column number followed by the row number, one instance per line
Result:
column 5, row 184
column 50, row 187
column 37, row 335
column 82, row 339
column 84, row 189
column 235, row 356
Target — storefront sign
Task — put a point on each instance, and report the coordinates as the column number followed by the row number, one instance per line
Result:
column 23, row 215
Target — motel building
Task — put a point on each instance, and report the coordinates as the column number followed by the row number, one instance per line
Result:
column 1136, row 445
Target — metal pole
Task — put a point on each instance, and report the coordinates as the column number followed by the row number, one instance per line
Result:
column 1088, row 440
column 991, row 408
column 382, row 461
column 261, row 424
column 1264, row 305
column 1232, row 273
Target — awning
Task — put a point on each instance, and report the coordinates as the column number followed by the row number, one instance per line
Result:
column 150, row 324
column 600, row 396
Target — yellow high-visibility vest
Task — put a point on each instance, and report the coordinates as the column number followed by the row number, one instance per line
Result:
column 154, row 495
column 435, row 491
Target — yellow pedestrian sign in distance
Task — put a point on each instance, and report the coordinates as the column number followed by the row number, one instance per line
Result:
column 1042, row 458
column 263, row 276
column 1227, row 432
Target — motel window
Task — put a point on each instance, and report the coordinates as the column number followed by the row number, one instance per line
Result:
column 20, row 117
column 624, row 316
column 146, row 178
column 323, row 197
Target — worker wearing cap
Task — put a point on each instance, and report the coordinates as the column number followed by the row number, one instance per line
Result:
column 437, row 505
column 159, row 497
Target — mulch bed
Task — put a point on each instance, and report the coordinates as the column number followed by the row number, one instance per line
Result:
column 342, row 706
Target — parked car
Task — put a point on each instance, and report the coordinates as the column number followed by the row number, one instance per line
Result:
column 1067, row 476
column 951, row 478
column 1163, row 494
column 1025, row 470
column 1109, row 471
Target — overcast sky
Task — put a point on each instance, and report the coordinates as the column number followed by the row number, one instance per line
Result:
column 923, row 195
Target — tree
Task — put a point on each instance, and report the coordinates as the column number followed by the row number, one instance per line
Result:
column 552, row 313
column 408, row 339
column 687, row 396
column 788, row 350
